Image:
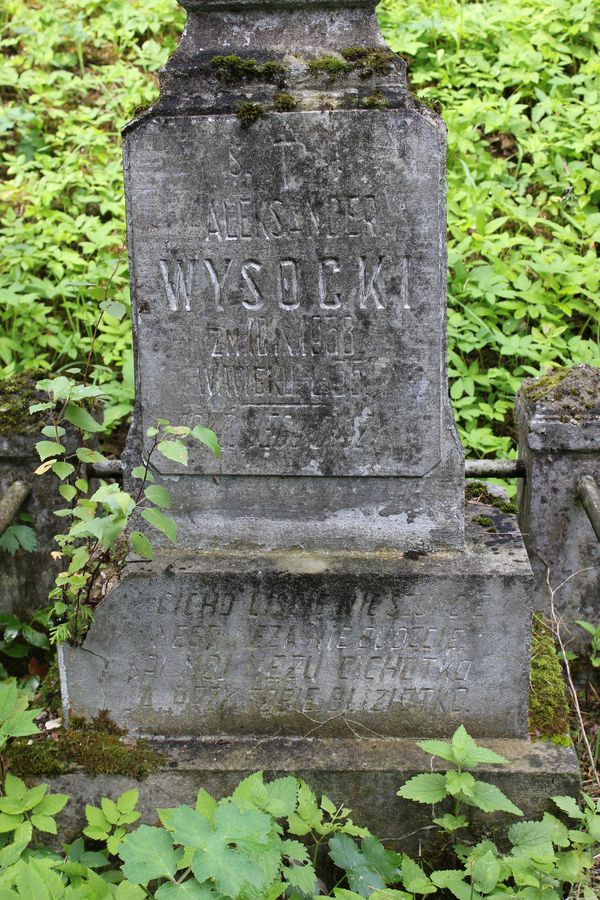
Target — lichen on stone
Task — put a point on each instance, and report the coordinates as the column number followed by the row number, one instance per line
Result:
column 97, row 747
column 16, row 396
column 548, row 707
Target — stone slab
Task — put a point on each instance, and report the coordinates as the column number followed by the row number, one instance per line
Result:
column 558, row 420
column 288, row 283
column 324, row 644
column 363, row 774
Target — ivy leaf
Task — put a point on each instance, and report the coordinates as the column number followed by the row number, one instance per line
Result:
column 165, row 524
column 81, row 419
column 173, row 450
column 425, row 788
column 141, row 545
column 45, row 449
column 148, row 853
column 158, row 495
column 208, row 438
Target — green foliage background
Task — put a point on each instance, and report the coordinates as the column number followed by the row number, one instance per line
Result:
column 517, row 83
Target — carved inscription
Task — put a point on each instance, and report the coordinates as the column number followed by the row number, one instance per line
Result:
column 388, row 659
column 292, row 287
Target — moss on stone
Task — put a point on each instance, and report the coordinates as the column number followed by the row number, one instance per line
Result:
column 238, row 69
column 97, row 747
column 284, row 102
column 478, row 491
column 570, row 390
column 48, row 695
column 368, row 60
column 485, row 521
column 548, row 707
column 376, row 100
column 331, row 66
column 16, row 395
column 248, row 112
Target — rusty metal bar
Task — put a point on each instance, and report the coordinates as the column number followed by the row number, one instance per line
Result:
column 11, row 503
column 589, row 494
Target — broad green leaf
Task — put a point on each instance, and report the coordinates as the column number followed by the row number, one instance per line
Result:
column 63, row 469
column 165, row 524
column 158, row 495
column 425, row 788
column 80, row 418
column 206, row 805
column 489, row 798
column 189, row 890
column 68, row 491
column 96, row 817
column 569, row 806
column 386, row 862
column 174, row 450
column 79, row 559
column 345, row 853
column 451, row 823
column 44, row 823
column 113, row 308
column 110, row 810
column 142, row 472
column 147, row 854
column 207, row 437
column 127, row 802
column 414, row 878
column 52, row 804
column 229, row 869
column 301, row 877
column 443, row 749
column 459, row 783
column 141, row 545
column 46, row 449
column 282, row 796
column 454, row 881
column 486, row 872
column 189, row 827
column 86, row 455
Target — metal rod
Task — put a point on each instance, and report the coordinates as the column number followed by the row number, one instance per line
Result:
column 589, row 494
column 494, row 468
column 474, row 468
column 110, row 468
column 12, row 502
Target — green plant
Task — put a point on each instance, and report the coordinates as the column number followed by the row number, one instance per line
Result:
column 594, row 632
column 21, row 640
column 99, row 519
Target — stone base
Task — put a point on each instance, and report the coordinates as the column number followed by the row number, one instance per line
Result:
column 361, row 773
column 321, row 645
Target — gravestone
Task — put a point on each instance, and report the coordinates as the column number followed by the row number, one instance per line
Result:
column 286, row 231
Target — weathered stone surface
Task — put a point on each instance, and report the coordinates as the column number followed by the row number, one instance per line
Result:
column 558, row 420
column 364, row 773
column 288, row 284
column 325, row 644
column 27, row 577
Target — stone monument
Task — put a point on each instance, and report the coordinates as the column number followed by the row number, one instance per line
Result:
column 286, row 231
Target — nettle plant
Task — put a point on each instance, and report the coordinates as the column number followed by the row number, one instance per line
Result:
column 101, row 517
column 270, row 839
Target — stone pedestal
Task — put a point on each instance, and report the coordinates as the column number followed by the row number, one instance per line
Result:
column 558, row 419
column 287, row 242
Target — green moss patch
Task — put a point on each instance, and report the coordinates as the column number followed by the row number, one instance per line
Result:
column 235, row 68
column 571, row 389
column 98, row 747
column 484, row 521
column 478, row 491
column 16, row 395
column 284, row 102
column 248, row 112
column 368, row 60
column 548, row 707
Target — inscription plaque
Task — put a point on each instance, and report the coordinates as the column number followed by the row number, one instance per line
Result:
column 290, row 288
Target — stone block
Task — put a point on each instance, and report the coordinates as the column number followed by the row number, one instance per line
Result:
column 558, row 419
column 362, row 773
column 297, row 643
